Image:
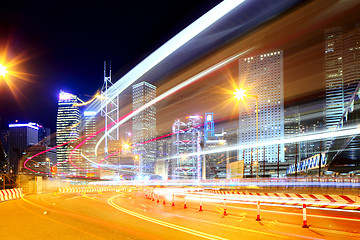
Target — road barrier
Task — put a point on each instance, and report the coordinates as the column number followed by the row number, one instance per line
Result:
column 87, row 189
column 315, row 200
column 258, row 211
column 9, row 194
column 225, row 213
column 256, row 196
column 304, row 217
column 201, row 208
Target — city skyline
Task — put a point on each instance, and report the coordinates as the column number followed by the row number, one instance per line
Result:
column 223, row 78
column 180, row 120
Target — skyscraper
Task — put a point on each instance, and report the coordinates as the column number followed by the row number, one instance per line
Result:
column 187, row 140
column 144, row 127
column 342, row 71
column 262, row 75
column 67, row 131
column 88, row 129
column 22, row 136
column 334, row 81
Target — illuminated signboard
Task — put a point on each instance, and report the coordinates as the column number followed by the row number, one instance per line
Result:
column 208, row 125
column 308, row 164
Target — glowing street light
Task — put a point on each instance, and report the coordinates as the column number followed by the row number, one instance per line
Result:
column 126, row 146
column 3, row 70
column 239, row 94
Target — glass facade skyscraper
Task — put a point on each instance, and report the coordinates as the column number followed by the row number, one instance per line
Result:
column 144, row 127
column 342, row 71
column 262, row 76
column 67, row 131
column 21, row 137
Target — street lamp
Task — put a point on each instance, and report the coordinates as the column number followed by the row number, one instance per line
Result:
column 239, row 94
column 3, row 70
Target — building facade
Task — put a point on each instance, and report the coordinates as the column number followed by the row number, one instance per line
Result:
column 88, row 129
column 262, row 76
column 22, row 136
column 67, row 132
column 186, row 140
column 144, row 128
column 342, row 71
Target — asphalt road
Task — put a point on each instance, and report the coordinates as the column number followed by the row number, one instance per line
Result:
column 128, row 215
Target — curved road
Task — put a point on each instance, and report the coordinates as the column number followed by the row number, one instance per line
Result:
column 128, row 215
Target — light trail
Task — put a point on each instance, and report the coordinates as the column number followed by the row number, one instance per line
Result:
column 309, row 137
column 195, row 195
column 88, row 102
column 172, row 91
column 45, row 151
column 163, row 223
column 175, row 43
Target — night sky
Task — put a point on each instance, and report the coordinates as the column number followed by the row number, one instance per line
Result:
column 62, row 45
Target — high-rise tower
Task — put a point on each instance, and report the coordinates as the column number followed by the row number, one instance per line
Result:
column 342, row 71
column 67, row 131
column 22, row 136
column 334, row 81
column 110, row 111
column 262, row 75
column 144, row 127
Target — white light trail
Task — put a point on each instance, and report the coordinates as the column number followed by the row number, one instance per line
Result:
column 309, row 137
column 169, row 47
column 172, row 91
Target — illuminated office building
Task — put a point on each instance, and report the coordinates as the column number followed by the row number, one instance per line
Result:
column 262, row 76
column 342, row 71
column 67, row 131
column 187, row 140
column 144, row 128
column 334, row 77
column 88, row 129
column 22, row 136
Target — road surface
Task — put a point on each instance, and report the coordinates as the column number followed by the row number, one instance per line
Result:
column 127, row 214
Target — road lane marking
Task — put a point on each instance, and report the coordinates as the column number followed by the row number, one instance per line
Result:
column 53, row 220
column 86, row 196
column 163, row 223
column 73, row 197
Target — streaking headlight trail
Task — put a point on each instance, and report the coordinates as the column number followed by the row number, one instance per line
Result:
column 317, row 136
column 169, row 47
column 172, row 91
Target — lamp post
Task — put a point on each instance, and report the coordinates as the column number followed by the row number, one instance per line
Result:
column 239, row 95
